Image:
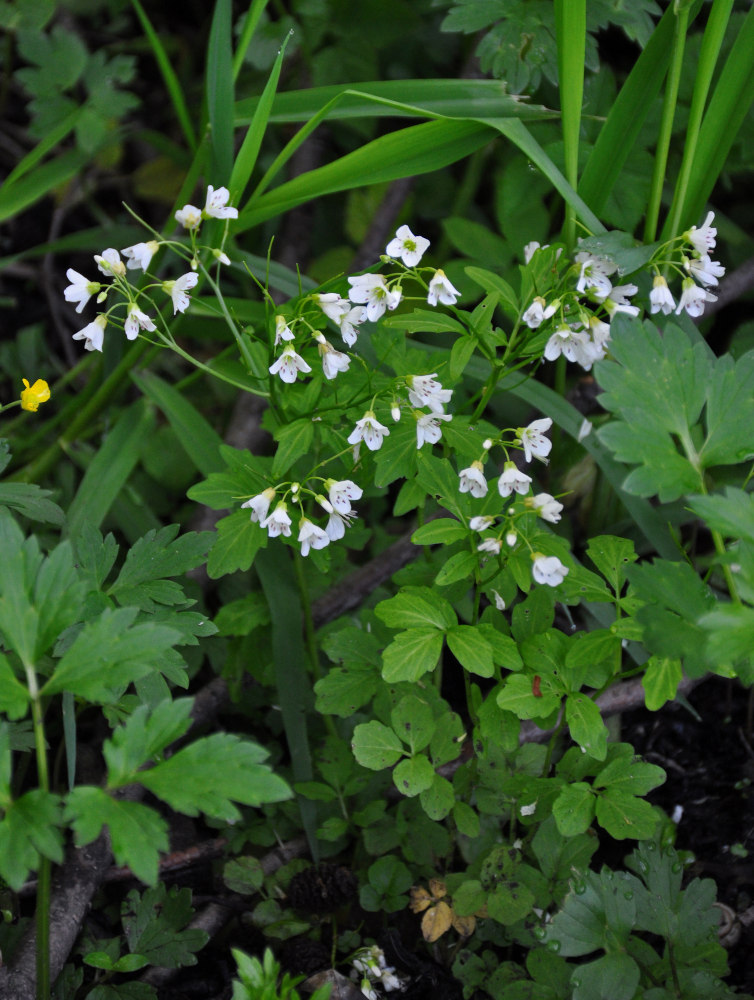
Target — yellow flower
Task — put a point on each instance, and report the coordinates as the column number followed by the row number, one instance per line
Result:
column 35, row 394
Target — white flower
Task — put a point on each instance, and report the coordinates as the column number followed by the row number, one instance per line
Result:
column 441, row 290
column 528, row 810
column 617, row 301
column 548, row 569
column 408, row 247
column 282, row 330
column 531, row 248
column 221, row 256
column 532, row 438
column 704, row 270
column 189, row 216
column 80, row 290
column 92, row 335
column 490, row 545
column 693, row 298
column 370, row 431
column 289, row 364
column 341, row 493
column 538, row 312
column 660, row 298
column 140, row 254
column 260, row 504
column 499, row 602
column 594, row 274
column 336, row 526
column 480, row 522
column 311, row 535
column 473, row 481
column 600, row 334
column 511, row 538
column 703, row 239
column 546, row 507
column 429, row 429
column 395, row 412
column 350, row 323
column 512, row 479
column 573, row 343
column 177, row 290
column 332, row 361
column 135, row 321
column 585, row 430
column 216, row 204
column 278, row 522
column 109, row 263
column 372, row 290
column 334, row 306
column 424, row 390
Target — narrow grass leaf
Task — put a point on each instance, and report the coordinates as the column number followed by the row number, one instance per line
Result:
column 14, row 198
column 220, row 92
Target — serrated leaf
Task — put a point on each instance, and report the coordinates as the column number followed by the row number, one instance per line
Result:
column 30, row 824
column 142, row 737
column 14, row 697
column 238, row 541
column 31, row 501
column 155, row 926
column 579, row 926
column 416, row 607
column 137, row 833
column 731, row 513
column 412, row 654
column 586, row 725
column 376, row 746
column 471, row 649
column 108, row 654
column 212, row 773
column 730, row 392
column 159, row 554
column 413, row 775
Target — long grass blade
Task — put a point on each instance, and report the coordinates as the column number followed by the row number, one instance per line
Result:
column 220, row 92
column 255, row 11
column 570, row 32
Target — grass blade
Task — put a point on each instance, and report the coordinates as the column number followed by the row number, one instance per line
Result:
column 220, row 93
column 255, row 11
column 570, row 32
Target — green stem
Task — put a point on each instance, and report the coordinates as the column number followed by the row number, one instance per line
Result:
column 309, row 631
column 45, row 868
column 666, row 125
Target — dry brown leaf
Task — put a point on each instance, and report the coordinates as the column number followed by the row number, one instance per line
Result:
column 464, row 925
column 437, row 888
column 436, row 921
column 420, row 899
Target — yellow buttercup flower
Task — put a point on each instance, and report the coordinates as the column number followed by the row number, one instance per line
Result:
column 35, row 394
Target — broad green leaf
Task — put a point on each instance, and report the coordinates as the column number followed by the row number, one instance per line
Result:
column 518, row 696
column 460, row 353
column 574, row 809
column 471, row 649
column 560, row 855
column 137, row 833
column 461, row 566
column 442, row 530
column 612, row 977
column 509, row 902
column 241, row 617
column 412, row 654
column 624, row 815
column 662, row 472
column 493, row 283
column 630, row 775
column 413, row 775
column 31, row 826
column 58, row 595
column 439, row 799
column 237, row 545
column 212, row 773
column 729, row 394
column 109, row 653
column 416, row 607
column 579, row 926
column 143, row 735
column 159, row 554
column 424, row 320
column 611, row 555
column 14, row 697
column 504, row 649
column 731, row 513
column 31, row 501
column 467, row 823
column 375, row 746
column 730, row 635
column 413, row 721
column 343, row 690
column 586, row 725
column 244, row 875
column 397, row 457
column 293, row 440
column 662, row 675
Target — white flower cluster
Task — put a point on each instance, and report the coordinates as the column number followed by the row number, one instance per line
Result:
column 545, row 569
column 580, row 312
column 370, row 296
column 371, row 969
column 310, row 535
column 140, row 255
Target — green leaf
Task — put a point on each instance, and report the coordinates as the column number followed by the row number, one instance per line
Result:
column 413, row 775
column 438, row 800
column 110, row 468
column 416, row 607
column 460, row 566
column 729, row 631
column 14, row 697
column 293, row 440
column 137, row 833
column 244, row 875
column 375, row 746
column 237, row 545
column 109, row 653
column 412, row 654
column 494, row 284
column 731, row 513
column 30, row 826
column 611, row 977
column 154, row 923
column 398, row 455
column 142, row 737
column 31, row 501
column 561, row 854
column 586, row 725
column 471, row 649
column 729, row 393
column 662, row 675
column 460, row 353
column 574, row 809
column 219, row 79
column 159, row 554
column 389, row 879
column 413, row 721
column 518, row 696
column 631, row 775
column 509, row 902
column 343, row 690
column 443, row 530
column 611, row 555
column 466, row 820
column 623, row 815
column 212, row 773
